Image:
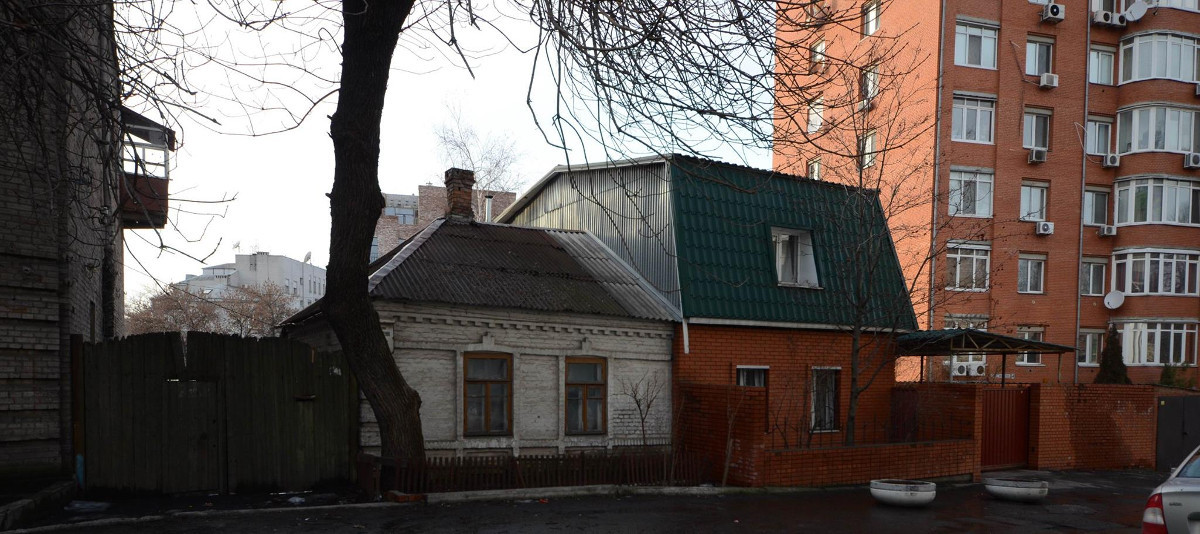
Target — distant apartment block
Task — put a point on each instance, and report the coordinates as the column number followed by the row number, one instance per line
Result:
column 404, row 215
column 303, row 281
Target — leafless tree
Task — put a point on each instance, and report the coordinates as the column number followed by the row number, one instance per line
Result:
column 644, row 392
column 173, row 310
column 493, row 157
column 245, row 311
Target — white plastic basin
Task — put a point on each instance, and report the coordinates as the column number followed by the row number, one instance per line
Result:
column 903, row 492
column 1017, row 489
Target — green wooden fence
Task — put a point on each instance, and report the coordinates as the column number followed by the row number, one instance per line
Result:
column 227, row 414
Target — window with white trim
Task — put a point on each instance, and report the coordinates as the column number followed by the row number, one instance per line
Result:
column 1156, row 343
column 1158, row 129
column 816, row 115
column 1159, row 55
column 1031, row 333
column 1087, row 349
column 1091, row 277
column 1031, row 271
column 866, row 149
column 972, row 120
column 818, row 57
column 1033, row 201
column 753, row 376
column 1039, row 55
column 1158, row 201
column 869, row 83
column 975, row 45
column 971, row 194
column 1099, row 136
column 967, row 266
column 1190, row 5
column 1095, row 207
column 1036, row 128
column 1100, row 65
column 794, row 261
column 814, row 168
column 870, row 18
column 1156, row 272
column 825, row 399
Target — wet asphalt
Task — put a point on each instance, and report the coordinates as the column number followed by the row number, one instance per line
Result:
column 1109, row 501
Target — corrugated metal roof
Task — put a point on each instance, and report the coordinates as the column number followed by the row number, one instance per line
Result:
column 961, row 340
column 513, row 267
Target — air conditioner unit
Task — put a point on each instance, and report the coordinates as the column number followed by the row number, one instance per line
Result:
column 1191, row 160
column 1037, row 155
column 1053, row 13
column 1111, row 161
column 1102, row 17
column 1107, row 230
column 1120, row 20
column 1048, row 81
column 960, row 369
column 1044, row 228
column 978, row 369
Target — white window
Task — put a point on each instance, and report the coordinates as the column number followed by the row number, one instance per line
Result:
column 975, row 45
column 1095, row 207
column 1156, row 272
column 1099, row 136
column 869, row 83
column 1158, row 343
column 866, row 149
column 1036, row 129
column 1159, row 55
column 967, row 266
column 1179, row 4
column 1158, row 201
column 818, row 57
column 1106, row 5
column 1088, row 348
column 1039, row 54
column 1158, row 128
column 972, row 120
column 825, row 399
column 816, row 115
column 814, row 168
column 1033, row 201
column 1031, row 333
column 752, row 376
column 870, row 18
column 794, row 261
column 1100, row 65
column 1031, row 270
column 1091, row 277
column 971, row 194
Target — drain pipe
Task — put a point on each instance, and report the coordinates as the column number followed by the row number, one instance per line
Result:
column 937, row 165
column 487, row 207
column 1087, row 87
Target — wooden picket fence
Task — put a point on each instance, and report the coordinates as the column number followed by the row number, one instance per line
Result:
column 471, row 473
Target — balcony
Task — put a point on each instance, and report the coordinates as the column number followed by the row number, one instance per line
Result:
column 145, row 164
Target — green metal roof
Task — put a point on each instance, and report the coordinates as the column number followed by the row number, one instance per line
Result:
column 724, row 215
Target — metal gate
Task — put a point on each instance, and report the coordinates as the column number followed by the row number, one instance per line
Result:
column 1178, row 430
column 1005, row 428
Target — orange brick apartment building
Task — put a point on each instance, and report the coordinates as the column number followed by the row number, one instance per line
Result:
column 1081, row 114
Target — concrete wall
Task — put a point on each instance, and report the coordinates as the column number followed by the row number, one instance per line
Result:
column 429, row 342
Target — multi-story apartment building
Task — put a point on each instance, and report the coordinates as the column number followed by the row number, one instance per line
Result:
column 1063, row 184
column 303, row 281
column 405, row 215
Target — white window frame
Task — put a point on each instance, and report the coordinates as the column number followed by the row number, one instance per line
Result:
column 804, row 273
column 1033, row 55
column 1147, row 271
column 1164, row 201
column 1034, row 196
column 1159, row 55
column 816, row 115
column 869, row 83
column 1090, row 343
column 1033, row 120
column 817, row 60
column 866, row 147
column 1098, row 136
column 814, row 168
column 981, row 183
column 980, row 257
column 1091, row 273
column 985, row 35
column 870, row 18
column 1032, row 333
column 1138, row 129
column 1144, row 342
column 738, row 376
column 1102, row 62
column 836, row 424
column 981, row 112
column 1031, row 274
column 1090, row 197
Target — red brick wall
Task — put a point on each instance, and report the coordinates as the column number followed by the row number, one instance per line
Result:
column 1092, row 427
column 857, row 465
column 705, row 411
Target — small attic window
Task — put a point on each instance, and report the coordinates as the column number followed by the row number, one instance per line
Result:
column 795, row 264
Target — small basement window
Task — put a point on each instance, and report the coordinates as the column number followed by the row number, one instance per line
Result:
column 795, row 264
column 752, row 376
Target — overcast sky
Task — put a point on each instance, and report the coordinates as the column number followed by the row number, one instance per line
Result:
column 280, row 180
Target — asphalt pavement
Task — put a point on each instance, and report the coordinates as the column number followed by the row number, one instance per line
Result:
column 1105, row 501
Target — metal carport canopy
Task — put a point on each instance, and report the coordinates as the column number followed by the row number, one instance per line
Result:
column 958, row 340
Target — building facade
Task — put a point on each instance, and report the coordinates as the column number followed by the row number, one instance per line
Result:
column 1064, row 183
column 301, row 280
column 405, row 215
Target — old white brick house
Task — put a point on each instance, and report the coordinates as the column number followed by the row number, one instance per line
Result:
column 519, row 340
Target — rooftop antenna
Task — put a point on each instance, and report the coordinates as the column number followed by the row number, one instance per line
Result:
column 307, row 256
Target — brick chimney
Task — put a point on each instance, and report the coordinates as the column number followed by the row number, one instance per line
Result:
column 459, row 183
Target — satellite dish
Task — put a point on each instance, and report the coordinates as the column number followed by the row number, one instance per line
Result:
column 1136, row 10
column 307, row 256
column 1114, row 300
column 237, row 246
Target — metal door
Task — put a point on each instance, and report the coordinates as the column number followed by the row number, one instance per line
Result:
column 1005, row 428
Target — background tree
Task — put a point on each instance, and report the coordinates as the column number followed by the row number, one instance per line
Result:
column 1112, row 362
column 493, row 157
column 173, row 310
column 244, row 311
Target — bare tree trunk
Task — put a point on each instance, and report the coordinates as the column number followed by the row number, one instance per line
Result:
column 371, row 31
column 855, row 357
